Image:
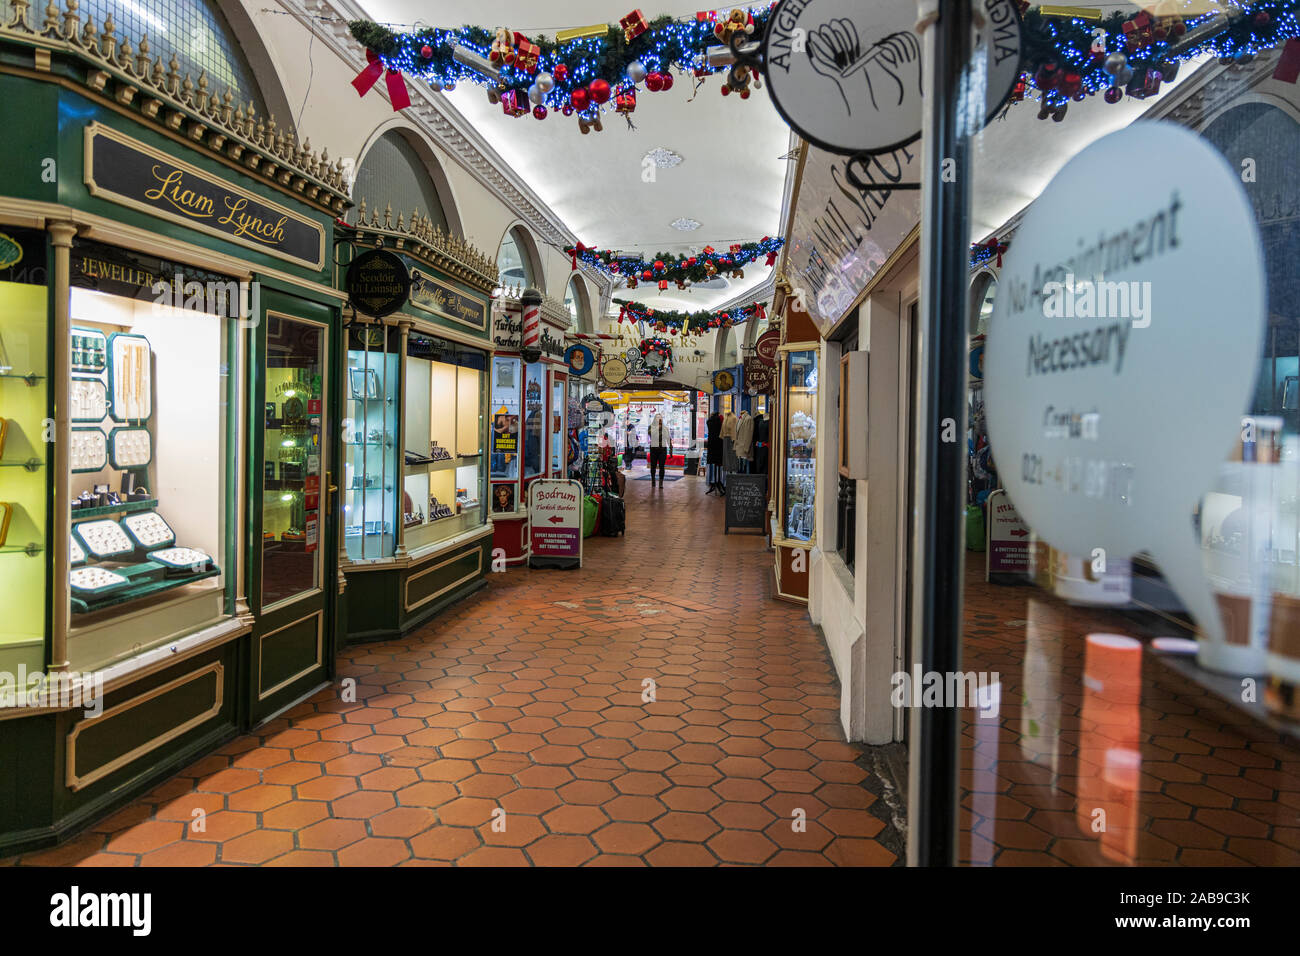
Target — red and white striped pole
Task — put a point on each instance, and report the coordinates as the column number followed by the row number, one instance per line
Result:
column 530, row 304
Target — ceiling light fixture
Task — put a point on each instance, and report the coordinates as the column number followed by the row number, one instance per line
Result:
column 684, row 224
column 663, row 157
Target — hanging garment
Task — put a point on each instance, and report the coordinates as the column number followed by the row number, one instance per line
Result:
column 745, row 436
column 714, row 444
column 729, row 425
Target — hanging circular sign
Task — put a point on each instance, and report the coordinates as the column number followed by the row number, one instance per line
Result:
column 377, row 283
column 723, row 381
column 614, row 371
column 847, row 77
column 580, row 359
column 1116, row 376
column 766, row 346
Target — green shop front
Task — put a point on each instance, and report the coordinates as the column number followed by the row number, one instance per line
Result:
column 415, row 530
column 169, row 412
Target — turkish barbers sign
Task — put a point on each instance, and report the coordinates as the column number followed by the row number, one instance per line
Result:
column 508, row 334
column 126, row 171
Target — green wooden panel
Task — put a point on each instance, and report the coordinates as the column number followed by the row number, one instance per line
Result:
column 103, row 741
column 288, row 652
column 460, row 572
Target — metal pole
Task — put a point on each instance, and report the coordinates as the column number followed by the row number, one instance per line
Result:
column 941, row 452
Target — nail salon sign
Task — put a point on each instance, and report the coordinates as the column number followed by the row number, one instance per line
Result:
column 847, row 75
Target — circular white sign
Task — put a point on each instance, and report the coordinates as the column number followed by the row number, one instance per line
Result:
column 846, row 74
column 1122, row 350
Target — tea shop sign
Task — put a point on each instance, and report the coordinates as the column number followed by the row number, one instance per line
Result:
column 126, row 171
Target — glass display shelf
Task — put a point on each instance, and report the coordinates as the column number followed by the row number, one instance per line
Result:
column 31, row 464
column 31, row 550
column 126, row 507
column 31, row 378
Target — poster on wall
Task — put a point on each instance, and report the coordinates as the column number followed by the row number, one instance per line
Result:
column 505, row 433
column 842, row 236
column 503, row 498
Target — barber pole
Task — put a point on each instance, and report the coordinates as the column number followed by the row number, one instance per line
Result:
column 531, row 305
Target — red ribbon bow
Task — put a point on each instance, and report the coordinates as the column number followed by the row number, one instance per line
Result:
column 997, row 248
column 367, row 77
column 577, row 250
column 397, row 93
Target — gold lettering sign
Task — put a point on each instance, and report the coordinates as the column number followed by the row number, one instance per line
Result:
column 133, row 174
column 434, row 295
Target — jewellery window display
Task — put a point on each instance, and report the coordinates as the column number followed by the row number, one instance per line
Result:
column 149, row 387
column 800, row 444
column 292, row 462
column 444, row 486
column 504, row 436
column 370, row 460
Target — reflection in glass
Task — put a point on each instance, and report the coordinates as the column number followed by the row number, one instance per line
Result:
column 534, row 408
column 291, row 495
column 801, row 443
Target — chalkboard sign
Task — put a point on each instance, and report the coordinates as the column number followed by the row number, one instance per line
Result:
column 746, row 502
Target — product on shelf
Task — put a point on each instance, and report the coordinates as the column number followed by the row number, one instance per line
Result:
column 103, row 539
column 186, row 559
column 89, row 450
column 438, row 510
column 130, row 377
column 130, row 448
column 96, row 581
column 88, row 401
column 76, row 555
column 148, row 529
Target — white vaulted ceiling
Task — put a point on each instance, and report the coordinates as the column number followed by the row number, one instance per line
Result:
column 730, row 180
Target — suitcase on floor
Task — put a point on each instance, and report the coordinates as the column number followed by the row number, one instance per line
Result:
column 613, row 516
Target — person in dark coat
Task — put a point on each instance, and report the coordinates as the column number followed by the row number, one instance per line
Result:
column 715, row 452
column 762, row 438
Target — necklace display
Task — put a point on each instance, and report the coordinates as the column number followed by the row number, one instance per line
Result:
column 130, row 377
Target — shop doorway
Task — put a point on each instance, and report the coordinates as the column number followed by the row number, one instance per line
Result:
column 294, row 565
column 907, row 364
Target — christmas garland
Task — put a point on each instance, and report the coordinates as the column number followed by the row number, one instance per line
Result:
column 664, row 268
column 688, row 323
column 1067, row 57
column 578, row 70
column 982, row 252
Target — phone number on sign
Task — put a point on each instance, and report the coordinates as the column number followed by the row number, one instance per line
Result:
column 1094, row 478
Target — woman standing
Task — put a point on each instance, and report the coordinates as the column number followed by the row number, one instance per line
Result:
column 661, row 441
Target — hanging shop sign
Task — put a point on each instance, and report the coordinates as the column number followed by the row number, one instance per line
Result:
column 433, row 295
column 555, row 523
column 723, row 381
column 766, row 347
column 580, row 359
column 1008, row 538
column 846, row 75
column 1104, row 342
column 508, row 334
column 613, row 371
column 126, row 171
column 759, row 377
column 377, row 283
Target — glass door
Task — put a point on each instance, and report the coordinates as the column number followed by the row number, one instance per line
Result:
column 294, row 558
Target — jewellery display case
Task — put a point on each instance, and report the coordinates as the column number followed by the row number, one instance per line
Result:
column 146, row 459
column 370, row 453
column 445, row 478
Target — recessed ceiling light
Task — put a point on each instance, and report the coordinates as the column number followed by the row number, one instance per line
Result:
column 663, row 157
column 684, row 224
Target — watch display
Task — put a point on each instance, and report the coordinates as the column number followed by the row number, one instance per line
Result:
column 89, row 350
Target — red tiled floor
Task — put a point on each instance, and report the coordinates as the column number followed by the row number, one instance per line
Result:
column 511, row 731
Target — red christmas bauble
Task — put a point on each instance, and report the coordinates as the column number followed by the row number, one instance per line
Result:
column 659, row 263
column 560, row 71
column 654, row 82
column 1113, row 94
column 426, row 51
column 690, row 261
column 598, row 89
column 1045, row 76
column 539, row 112
column 1070, row 83
column 647, row 274
column 580, row 98
column 567, row 109
column 668, row 80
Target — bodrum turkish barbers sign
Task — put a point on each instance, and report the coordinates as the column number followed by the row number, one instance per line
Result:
column 125, row 171
column 1122, row 353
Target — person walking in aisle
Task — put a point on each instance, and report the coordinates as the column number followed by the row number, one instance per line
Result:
column 629, row 448
column 661, row 441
